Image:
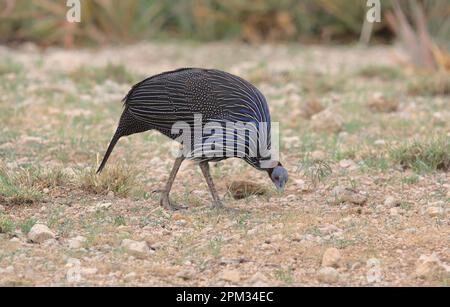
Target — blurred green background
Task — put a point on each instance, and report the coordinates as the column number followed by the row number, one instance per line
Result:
column 254, row 21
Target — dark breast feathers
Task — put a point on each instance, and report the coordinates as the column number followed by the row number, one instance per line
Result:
column 180, row 95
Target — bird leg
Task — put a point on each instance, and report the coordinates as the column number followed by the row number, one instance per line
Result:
column 165, row 200
column 204, row 166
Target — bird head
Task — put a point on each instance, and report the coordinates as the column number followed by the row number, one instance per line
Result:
column 279, row 176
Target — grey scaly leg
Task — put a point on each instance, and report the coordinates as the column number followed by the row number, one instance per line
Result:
column 204, row 166
column 165, row 200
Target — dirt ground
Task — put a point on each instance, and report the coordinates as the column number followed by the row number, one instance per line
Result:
column 357, row 210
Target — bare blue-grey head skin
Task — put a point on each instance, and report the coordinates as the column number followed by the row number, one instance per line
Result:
column 279, row 177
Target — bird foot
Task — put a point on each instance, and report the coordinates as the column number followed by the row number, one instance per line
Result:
column 217, row 205
column 169, row 205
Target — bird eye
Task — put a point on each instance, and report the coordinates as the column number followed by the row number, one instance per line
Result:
column 277, row 177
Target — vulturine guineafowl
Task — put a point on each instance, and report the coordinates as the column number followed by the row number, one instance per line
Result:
column 209, row 99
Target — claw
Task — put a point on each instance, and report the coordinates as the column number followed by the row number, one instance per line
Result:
column 217, row 205
column 169, row 205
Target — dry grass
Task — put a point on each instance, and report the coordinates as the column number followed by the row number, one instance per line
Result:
column 383, row 104
column 423, row 156
column 244, row 189
column 19, row 187
column 387, row 73
column 115, row 178
column 431, row 85
column 52, row 138
column 6, row 224
column 310, row 107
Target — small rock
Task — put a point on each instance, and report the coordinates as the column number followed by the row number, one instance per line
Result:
column 342, row 194
column 181, row 223
column 318, row 155
column 373, row 262
column 329, row 229
column 46, row 190
column 395, row 211
column 301, row 185
column 110, row 194
column 73, row 274
column 429, row 266
column 347, row 163
column 77, row 242
column 130, row 275
column 15, row 240
column 391, row 202
column 71, row 262
column 327, row 121
column 440, row 118
column 411, row 230
column 380, row 142
column 157, row 245
column 50, row 243
column 7, row 270
column 328, row 275
column 259, row 280
column 135, row 248
column 331, row 258
column 232, row 276
column 276, row 238
column 383, row 104
column 252, row 231
column 69, row 172
column 311, row 107
column 89, row 271
column 186, row 274
column 356, row 265
column 40, row 233
column 103, row 206
column 290, row 198
column 435, row 211
column 343, row 135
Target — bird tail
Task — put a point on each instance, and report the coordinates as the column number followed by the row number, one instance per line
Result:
column 113, row 143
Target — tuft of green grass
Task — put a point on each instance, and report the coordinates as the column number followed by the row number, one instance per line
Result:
column 317, row 83
column 96, row 75
column 353, row 126
column 116, row 178
column 285, row 276
column 316, row 170
column 423, row 156
column 44, row 177
column 6, row 225
column 24, row 185
column 119, row 220
column 8, row 66
column 215, row 246
column 26, row 225
column 413, row 179
column 406, row 206
column 313, row 230
column 431, row 85
column 18, row 188
column 376, row 162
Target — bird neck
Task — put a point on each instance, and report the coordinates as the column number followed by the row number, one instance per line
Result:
column 270, row 170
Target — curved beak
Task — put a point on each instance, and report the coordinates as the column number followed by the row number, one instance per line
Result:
column 281, row 186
